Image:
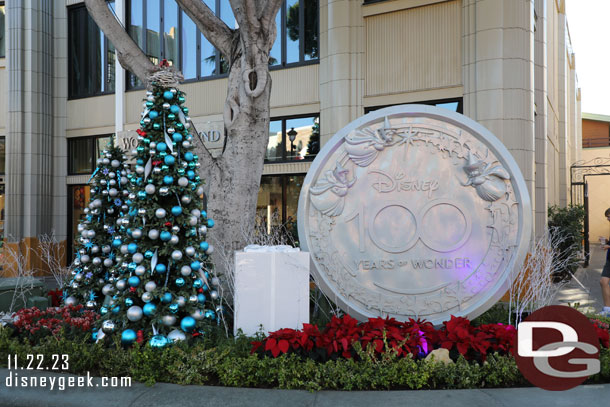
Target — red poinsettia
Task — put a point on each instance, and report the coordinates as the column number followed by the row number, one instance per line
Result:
column 602, row 332
column 35, row 324
column 56, row 296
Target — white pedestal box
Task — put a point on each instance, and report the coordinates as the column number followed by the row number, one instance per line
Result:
column 272, row 290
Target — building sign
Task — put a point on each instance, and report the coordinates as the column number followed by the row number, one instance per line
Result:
column 414, row 212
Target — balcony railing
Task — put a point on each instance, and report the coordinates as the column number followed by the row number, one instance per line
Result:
column 596, row 142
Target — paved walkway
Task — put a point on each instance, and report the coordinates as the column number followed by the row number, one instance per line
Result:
column 173, row 395
column 589, row 298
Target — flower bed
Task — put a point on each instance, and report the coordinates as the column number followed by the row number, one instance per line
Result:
column 35, row 324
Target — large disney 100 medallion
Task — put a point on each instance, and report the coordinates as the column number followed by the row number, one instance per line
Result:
column 414, row 212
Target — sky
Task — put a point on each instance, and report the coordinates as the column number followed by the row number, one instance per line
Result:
column 589, row 24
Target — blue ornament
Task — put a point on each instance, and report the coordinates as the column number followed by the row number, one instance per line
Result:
column 173, row 308
column 94, row 335
column 195, row 265
column 116, row 310
column 175, row 109
column 190, row 174
column 128, row 337
column 209, row 314
column 210, row 223
column 160, row 268
column 201, row 298
column 128, row 302
column 148, row 254
column 158, row 341
column 153, row 114
column 161, row 146
column 169, row 160
column 132, row 248
column 156, row 126
column 168, row 180
column 116, row 243
column 140, row 161
column 204, row 246
column 142, row 194
column 132, row 266
column 134, row 281
column 187, row 324
column 197, row 283
column 204, row 214
column 180, row 282
column 188, row 156
column 165, row 236
column 167, row 298
column 168, row 95
column 177, row 137
column 149, row 309
column 103, row 311
column 177, row 210
column 150, row 104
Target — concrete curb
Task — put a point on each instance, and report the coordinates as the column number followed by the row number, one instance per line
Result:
column 166, row 395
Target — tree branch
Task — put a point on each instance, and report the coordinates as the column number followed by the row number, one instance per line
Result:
column 269, row 12
column 129, row 54
column 212, row 27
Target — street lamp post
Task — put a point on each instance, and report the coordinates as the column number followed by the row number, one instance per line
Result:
column 292, row 135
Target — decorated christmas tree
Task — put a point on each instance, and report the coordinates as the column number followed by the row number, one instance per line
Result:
column 95, row 256
column 164, row 291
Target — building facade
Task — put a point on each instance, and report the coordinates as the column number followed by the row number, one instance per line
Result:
column 506, row 64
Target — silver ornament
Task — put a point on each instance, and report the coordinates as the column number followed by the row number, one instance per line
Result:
column 198, row 314
column 215, row 281
column 140, row 270
column 108, row 262
column 176, row 336
column 174, row 240
column 193, row 299
column 112, row 182
column 183, row 181
column 115, row 163
column 147, row 297
column 150, row 286
column 193, row 220
column 153, row 145
column 121, row 285
column 134, row 313
column 105, row 161
column 71, row 301
column 203, row 230
column 160, row 213
column 214, row 294
column 75, row 285
column 190, row 251
column 163, row 191
column 209, row 250
column 185, row 271
column 85, row 258
column 113, row 192
column 168, row 320
column 157, row 170
column 200, row 191
column 166, row 105
column 136, row 233
column 104, row 193
column 150, row 189
column 124, row 249
column 186, row 199
column 96, row 261
column 137, row 258
column 177, row 255
column 139, row 170
column 141, row 211
column 153, row 234
column 181, row 301
column 80, row 228
column 196, row 212
column 175, row 229
column 171, row 130
column 107, row 289
column 90, row 304
column 112, row 174
column 108, row 326
column 109, row 211
column 79, row 277
column 186, row 144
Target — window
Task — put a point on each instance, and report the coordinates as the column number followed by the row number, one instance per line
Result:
column 455, row 105
column 2, row 30
column 185, row 46
column 293, row 139
column 83, row 153
column 91, row 56
column 78, row 196
column 278, row 200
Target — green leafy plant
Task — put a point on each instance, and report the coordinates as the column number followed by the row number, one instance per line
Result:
column 568, row 223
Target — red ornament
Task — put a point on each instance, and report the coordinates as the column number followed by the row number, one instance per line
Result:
column 200, row 290
column 196, row 334
column 155, row 163
column 132, row 289
column 140, row 336
column 141, row 132
column 168, row 224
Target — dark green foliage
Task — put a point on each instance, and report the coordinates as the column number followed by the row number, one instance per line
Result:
column 567, row 223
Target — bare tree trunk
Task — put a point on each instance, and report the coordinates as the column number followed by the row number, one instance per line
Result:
column 233, row 178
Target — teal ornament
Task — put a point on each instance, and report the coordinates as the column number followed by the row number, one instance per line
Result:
column 103, row 310
column 132, row 266
column 128, row 337
column 187, row 324
column 146, row 141
column 188, row 156
column 168, row 180
column 181, row 99
column 176, row 210
column 161, row 146
column 152, row 114
column 204, row 214
column 158, row 341
column 169, row 160
column 132, row 248
column 192, row 165
column 181, row 171
column 173, row 308
column 140, row 161
column 171, row 116
column 209, row 314
column 201, row 298
column 164, row 167
column 180, row 282
column 140, row 149
column 148, row 254
column 166, row 298
column 205, row 287
column 142, row 194
column 116, row 243
column 149, row 105
column 190, row 174
column 179, row 126
column 195, row 265
column 142, row 123
column 210, row 223
column 167, row 95
column 156, row 126
column 174, row 109
column 128, row 302
column 134, row 281
column 94, row 335
column 116, row 310
column 185, row 110
column 197, row 283
column 177, row 137
column 149, row 309
column 160, row 268
column 165, row 236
